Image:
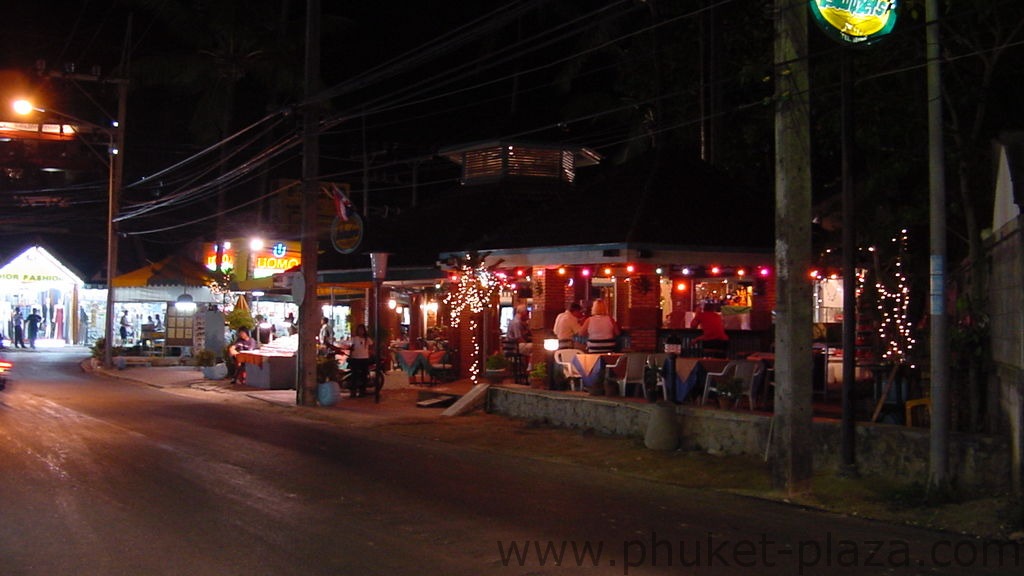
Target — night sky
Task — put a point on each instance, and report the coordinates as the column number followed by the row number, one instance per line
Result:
column 401, row 80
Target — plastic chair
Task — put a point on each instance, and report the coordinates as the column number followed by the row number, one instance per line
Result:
column 657, row 361
column 609, row 369
column 634, row 373
column 510, row 348
column 564, row 358
column 745, row 371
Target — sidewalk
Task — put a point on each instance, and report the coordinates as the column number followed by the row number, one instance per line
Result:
column 397, row 403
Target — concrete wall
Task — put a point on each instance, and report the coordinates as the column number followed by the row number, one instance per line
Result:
column 1006, row 313
column 977, row 462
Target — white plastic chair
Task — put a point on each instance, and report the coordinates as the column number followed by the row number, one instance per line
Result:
column 609, row 369
column 634, row 373
column 744, row 370
column 564, row 359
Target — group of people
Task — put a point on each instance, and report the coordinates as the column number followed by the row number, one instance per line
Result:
column 599, row 331
column 358, row 348
column 25, row 328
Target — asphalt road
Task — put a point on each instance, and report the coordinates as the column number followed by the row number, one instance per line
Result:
column 107, row 477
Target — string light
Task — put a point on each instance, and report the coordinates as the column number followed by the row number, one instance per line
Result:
column 894, row 330
column 473, row 289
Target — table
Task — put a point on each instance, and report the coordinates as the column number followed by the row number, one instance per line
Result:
column 412, row 361
column 591, row 366
column 690, row 373
column 263, row 369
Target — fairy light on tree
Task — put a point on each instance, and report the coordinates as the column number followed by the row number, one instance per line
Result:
column 894, row 330
column 470, row 293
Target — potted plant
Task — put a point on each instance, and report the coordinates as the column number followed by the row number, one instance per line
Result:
column 207, row 362
column 728, row 392
column 539, row 375
column 495, row 366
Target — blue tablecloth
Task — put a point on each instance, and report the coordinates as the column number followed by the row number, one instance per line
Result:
column 690, row 376
column 412, row 361
column 591, row 366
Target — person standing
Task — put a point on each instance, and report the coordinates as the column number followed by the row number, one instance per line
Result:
column 326, row 335
column 360, row 350
column 19, row 328
column 567, row 325
column 600, row 329
column 126, row 325
column 32, row 322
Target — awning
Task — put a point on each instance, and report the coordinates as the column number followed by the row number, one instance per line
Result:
column 171, row 271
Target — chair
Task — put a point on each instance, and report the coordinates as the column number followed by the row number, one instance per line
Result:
column 925, row 405
column 657, row 361
column 564, row 359
column 510, row 348
column 744, row 371
column 441, row 367
column 634, row 374
column 609, row 369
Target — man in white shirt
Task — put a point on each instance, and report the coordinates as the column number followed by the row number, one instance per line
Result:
column 567, row 325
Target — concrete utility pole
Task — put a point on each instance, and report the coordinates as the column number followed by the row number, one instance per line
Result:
column 791, row 443
column 309, row 310
column 938, row 462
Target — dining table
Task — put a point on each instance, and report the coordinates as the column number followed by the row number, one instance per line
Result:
column 412, row 361
column 690, row 375
column 591, row 366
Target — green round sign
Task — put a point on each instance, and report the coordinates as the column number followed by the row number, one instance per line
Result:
column 855, row 21
column 347, row 235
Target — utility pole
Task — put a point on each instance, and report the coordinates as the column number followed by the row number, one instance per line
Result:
column 309, row 310
column 848, row 427
column 791, row 441
column 938, row 461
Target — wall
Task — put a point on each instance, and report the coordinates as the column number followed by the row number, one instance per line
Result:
column 1006, row 313
column 900, row 453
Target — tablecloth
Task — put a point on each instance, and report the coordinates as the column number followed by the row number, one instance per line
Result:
column 591, row 366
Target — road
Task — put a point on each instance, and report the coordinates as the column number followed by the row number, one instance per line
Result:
column 108, row 477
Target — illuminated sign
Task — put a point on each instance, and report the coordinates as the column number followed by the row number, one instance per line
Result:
column 855, row 21
column 227, row 260
column 347, row 235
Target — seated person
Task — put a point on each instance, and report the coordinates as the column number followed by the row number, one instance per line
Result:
column 713, row 335
column 242, row 343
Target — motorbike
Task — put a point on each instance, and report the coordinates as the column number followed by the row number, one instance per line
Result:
column 5, row 367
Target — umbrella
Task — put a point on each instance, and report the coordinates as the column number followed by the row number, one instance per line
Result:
column 241, row 303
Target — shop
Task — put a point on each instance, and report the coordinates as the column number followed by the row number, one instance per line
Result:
column 36, row 280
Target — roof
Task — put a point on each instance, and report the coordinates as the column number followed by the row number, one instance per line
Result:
column 174, row 270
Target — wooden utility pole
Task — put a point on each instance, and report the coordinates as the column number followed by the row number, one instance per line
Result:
column 309, row 309
column 938, row 462
column 791, row 442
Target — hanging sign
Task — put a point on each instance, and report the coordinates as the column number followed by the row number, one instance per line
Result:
column 347, row 234
column 855, row 21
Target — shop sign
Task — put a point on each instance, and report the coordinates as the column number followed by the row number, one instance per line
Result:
column 227, row 258
column 279, row 257
column 36, row 265
column 855, row 21
column 30, row 277
column 347, row 234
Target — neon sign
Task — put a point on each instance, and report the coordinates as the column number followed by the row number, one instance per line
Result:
column 855, row 21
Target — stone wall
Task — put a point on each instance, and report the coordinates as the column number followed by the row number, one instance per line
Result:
column 900, row 453
column 1006, row 313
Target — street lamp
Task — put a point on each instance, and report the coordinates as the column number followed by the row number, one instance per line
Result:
column 115, row 171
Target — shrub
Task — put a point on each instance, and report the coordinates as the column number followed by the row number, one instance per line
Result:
column 496, row 361
column 205, row 357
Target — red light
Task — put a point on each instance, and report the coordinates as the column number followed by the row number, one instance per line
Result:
column 607, row 271
column 814, row 274
column 716, row 270
column 585, row 272
column 454, row 277
column 519, row 272
column 764, row 271
column 681, row 287
column 741, row 272
column 630, row 268
column 6, row 365
column 561, row 271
